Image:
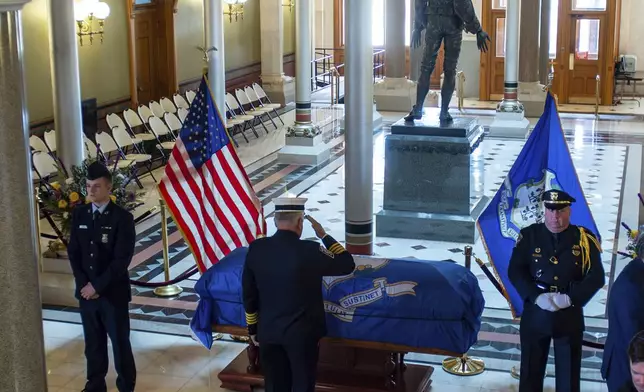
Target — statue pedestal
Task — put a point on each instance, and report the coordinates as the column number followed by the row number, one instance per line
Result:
column 429, row 189
column 394, row 94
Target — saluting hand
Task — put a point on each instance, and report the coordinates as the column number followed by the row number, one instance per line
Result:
column 319, row 230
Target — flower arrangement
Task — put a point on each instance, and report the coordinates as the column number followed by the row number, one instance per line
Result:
column 632, row 236
column 60, row 198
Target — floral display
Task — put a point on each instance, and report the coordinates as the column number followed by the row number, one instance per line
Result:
column 60, row 198
column 632, row 236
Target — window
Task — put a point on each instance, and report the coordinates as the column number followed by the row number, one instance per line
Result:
column 554, row 19
column 589, row 5
column 500, row 41
column 378, row 27
column 499, row 4
column 587, row 39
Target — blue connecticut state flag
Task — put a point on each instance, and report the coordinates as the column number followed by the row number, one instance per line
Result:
column 543, row 164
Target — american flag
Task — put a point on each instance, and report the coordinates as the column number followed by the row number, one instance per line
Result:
column 206, row 187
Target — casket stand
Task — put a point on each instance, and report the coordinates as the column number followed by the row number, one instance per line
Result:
column 343, row 365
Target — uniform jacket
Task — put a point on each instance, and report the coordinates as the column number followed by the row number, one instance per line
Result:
column 461, row 9
column 625, row 319
column 100, row 251
column 282, row 286
column 539, row 264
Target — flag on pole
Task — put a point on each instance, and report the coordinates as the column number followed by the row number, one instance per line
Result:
column 543, row 164
column 206, row 187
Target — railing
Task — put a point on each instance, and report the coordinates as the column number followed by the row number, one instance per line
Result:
column 325, row 69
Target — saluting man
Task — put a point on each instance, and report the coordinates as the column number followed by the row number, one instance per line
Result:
column 556, row 267
column 100, row 250
column 282, row 291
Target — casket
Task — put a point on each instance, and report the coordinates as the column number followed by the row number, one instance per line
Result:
column 385, row 308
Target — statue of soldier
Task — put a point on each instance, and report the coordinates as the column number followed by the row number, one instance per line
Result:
column 444, row 21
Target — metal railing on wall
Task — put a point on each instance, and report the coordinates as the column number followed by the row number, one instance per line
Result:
column 326, row 65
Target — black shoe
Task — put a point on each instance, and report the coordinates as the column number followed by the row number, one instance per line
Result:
column 445, row 117
column 416, row 113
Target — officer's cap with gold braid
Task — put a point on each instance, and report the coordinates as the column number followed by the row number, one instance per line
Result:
column 556, row 199
column 289, row 204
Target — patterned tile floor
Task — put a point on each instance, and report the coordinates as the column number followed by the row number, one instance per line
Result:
column 609, row 167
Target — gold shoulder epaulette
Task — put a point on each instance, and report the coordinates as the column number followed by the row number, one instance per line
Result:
column 584, row 243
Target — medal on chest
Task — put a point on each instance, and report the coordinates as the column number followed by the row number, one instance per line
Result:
column 576, row 250
column 104, row 238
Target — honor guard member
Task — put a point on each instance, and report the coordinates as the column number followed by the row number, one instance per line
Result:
column 282, row 290
column 556, row 267
column 100, row 250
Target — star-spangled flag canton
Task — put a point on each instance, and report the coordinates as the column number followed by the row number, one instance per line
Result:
column 206, row 187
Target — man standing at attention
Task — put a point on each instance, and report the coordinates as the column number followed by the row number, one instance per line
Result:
column 282, row 291
column 100, row 249
column 556, row 267
column 625, row 319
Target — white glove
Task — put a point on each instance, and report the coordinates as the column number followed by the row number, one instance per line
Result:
column 562, row 301
column 253, row 339
column 545, row 302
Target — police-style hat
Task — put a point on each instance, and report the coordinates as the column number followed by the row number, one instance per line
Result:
column 97, row 170
column 555, row 199
column 290, row 204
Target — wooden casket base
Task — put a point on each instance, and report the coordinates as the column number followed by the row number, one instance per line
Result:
column 340, row 368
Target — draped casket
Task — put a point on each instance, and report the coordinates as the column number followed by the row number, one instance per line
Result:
column 387, row 305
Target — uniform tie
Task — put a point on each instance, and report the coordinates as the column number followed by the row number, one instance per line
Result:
column 97, row 215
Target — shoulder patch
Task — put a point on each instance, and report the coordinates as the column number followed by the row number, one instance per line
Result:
column 326, row 251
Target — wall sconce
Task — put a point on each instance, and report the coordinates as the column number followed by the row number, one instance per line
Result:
column 85, row 13
column 235, row 8
column 290, row 4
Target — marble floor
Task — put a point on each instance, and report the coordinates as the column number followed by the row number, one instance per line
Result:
column 608, row 158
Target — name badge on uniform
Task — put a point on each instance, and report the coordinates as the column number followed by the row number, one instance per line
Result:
column 104, row 238
column 82, row 227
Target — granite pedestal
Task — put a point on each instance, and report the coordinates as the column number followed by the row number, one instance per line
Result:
column 433, row 186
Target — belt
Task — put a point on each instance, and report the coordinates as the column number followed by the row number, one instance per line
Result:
column 551, row 289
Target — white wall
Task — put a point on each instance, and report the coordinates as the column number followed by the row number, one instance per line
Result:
column 632, row 31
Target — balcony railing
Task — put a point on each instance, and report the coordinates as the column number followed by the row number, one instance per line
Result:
column 328, row 61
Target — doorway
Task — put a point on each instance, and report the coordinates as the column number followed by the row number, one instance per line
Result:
column 152, row 50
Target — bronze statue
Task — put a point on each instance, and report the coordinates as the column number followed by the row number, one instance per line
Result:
column 444, row 21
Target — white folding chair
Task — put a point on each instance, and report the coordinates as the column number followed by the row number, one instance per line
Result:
column 114, row 120
column 248, row 107
column 145, row 113
column 107, row 146
column 236, row 111
column 183, row 113
column 157, row 109
column 37, row 144
column 160, row 130
column 167, row 105
column 173, row 123
column 44, row 165
column 190, row 96
column 261, row 94
column 180, row 102
column 123, row 141
column 50, row 140
column 255, row 101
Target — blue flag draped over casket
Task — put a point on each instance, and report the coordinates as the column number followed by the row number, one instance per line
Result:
column 543, row 164
column 423, row 304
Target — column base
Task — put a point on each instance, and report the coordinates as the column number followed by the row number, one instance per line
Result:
column 533, row 98
column 510, row 121
column 279, row 89
column 394, row 94
column 301, row 150
column 57, row 284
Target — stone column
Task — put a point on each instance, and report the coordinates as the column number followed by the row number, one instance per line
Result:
column 214, row 38
column 531, row 92
column 395, row 92
column 358, row 159
column 65, row 78
column 279, row 87
column 510, row 119
column 544, row 42
column 303, row 125
column 22, row 356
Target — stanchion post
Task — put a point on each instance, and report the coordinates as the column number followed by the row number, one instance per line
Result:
column 170, row 290
column 468, row 257
column 38, row 228
column 332, row 83
column 597, row 99
column 460, row 75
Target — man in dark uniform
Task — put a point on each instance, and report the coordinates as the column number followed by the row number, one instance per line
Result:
column 625, row 318
column 100, row 249
column 556, row 267
column 636, row 360
column 282, row 289
column 444, row 21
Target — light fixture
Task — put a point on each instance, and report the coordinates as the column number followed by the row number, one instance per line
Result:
column 85, row 13
column 235, row 8
column 290, row 4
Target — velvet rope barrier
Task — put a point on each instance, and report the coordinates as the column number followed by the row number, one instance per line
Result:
column 183, row 276
column 495, row 282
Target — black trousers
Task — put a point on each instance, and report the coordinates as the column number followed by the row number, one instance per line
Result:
column 538, row 329
column 289, row 367
column 102, row 318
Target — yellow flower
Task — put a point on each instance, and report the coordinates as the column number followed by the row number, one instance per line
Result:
column 113, row 198
column 55, row 185
column 62, row 204
column 634, row 234
column 74, row 197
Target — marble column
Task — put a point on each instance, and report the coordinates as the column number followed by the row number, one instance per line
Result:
column 214, row 38
column 303, row 55
column 22, row 356
column 531, row 92
column 395, row 92
column 358, row 159
column 65, row 79
column 510, row 118
column 544, row 43
column 279, row 87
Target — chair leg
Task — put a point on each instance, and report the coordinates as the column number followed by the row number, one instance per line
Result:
column 268, row 114
column 278, row 116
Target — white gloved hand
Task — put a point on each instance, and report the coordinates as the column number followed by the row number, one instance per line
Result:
column 562, row 301
column 545, row 302
column 253, row 339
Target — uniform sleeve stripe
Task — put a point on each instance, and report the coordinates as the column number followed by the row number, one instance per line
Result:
column 336, row 248
column 251, row 318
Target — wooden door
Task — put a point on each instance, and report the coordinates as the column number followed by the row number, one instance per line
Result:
column 492, row 69
column 155, row 63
